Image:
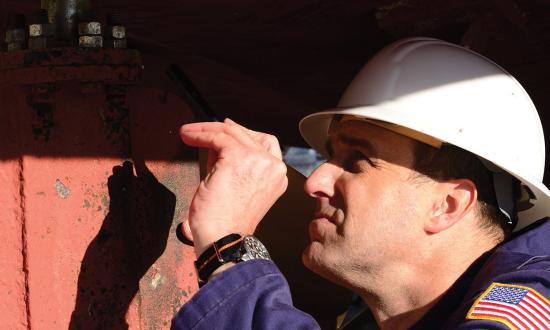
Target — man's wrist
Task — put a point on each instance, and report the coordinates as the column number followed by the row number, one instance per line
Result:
column 205, row 241
column 225, row 250
column 230, row 249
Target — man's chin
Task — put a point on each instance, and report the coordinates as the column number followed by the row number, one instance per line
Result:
column 316, row 259
column 310, row 257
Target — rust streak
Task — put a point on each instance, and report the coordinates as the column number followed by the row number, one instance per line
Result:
column 24, row 240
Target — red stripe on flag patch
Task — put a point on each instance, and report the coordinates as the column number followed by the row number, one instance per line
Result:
column 516, row 306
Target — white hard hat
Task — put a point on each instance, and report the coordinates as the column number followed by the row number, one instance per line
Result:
column 453, row 95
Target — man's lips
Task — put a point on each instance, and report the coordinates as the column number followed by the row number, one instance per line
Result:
column 332, row 214
column 320, row 225
column 324, row 216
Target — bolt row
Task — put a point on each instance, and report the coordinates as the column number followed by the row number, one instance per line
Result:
column 40, row 35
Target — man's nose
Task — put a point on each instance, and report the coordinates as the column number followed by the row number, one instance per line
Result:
column 322, row 181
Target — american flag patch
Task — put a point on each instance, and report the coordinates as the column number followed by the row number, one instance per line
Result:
column 518, row 307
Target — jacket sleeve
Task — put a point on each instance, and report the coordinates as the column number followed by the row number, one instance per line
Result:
column 250, row 295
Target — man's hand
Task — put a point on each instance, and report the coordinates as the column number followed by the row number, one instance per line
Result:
column 245, row 176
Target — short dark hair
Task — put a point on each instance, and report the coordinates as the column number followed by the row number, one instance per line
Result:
column 451, row 162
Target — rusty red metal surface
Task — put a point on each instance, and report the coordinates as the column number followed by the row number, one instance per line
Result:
column 70, row 64
column 95, row 181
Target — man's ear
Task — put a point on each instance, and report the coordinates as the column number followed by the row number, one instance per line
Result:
column 454, row 199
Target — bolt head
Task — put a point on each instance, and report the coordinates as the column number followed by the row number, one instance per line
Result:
column 90, row 41
column 39, row 30
column 117, row 32
column 89, row 29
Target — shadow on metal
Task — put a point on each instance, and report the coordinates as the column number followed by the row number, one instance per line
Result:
column 132, row 237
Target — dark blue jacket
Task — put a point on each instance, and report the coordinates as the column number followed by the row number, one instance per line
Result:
column 255, row 295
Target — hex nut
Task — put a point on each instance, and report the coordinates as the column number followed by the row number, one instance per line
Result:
column 89, row 29
column 15, row 35
column 117, row 32
column 90, row 41
column 39, row 30
column 40, row 42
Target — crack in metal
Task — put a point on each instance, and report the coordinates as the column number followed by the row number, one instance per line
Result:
column 24, row 250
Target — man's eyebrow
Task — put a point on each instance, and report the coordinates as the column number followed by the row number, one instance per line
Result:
column 350, row 141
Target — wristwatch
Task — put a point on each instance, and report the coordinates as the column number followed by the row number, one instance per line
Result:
column 230, row 248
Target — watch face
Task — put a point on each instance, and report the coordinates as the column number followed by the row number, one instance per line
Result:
column 254, row 249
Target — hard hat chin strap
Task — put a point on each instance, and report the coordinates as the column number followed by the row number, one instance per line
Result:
column 505, row 194
column 503, row 184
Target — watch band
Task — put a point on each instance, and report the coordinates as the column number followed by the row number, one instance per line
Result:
column 224, row 250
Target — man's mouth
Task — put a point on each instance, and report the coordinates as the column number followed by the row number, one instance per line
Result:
column 323, row 222
column 329, row 213
column 323, row 216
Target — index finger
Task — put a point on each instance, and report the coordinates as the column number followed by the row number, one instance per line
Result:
column 267, row 141
column 207, row 139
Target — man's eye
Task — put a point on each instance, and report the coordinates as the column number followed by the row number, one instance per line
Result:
column 355, row 162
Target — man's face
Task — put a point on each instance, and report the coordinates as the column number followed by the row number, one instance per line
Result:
column 370, row 204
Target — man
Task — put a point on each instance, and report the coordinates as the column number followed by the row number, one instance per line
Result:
column 435, row 157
